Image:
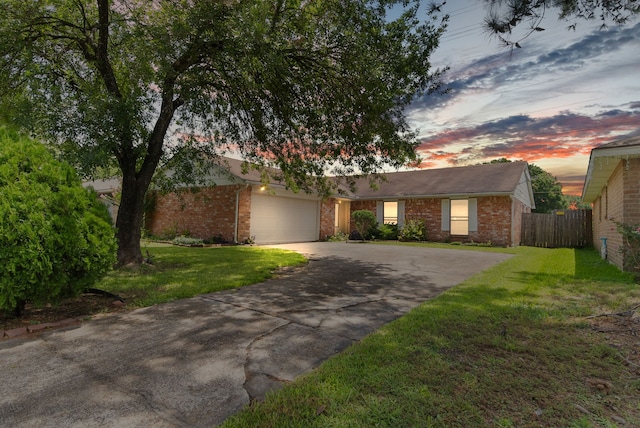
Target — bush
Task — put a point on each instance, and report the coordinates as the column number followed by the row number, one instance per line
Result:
column 630, row 248
column 56, row 238
column 364, row 221
column 338, row 237
column 388, row 232
column 187, row 241
column 217, row 239
column 414, row 230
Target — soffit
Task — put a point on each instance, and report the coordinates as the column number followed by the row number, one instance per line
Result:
column 603, row 162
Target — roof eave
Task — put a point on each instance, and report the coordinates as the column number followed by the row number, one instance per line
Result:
column 596, row 180
column 438, row 196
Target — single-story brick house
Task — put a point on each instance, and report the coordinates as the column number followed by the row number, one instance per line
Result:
column 481, row 203
column 612, row 186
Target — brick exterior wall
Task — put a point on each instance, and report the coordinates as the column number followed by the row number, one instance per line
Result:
column 494, row 221
column 211, row 212
column 608, row 205
column 632, row 191
column 494, row 218
column 619, row 200
column 204, row 214
column 327, row 218
column 429, row 210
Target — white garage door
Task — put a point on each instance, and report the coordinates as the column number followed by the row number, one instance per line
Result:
column 278, row 219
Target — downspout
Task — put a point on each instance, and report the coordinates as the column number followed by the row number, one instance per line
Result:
column 235, row 222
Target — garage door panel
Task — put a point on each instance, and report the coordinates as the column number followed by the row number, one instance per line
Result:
column 278, row 219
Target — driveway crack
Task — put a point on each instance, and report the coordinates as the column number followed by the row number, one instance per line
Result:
column 248, row 376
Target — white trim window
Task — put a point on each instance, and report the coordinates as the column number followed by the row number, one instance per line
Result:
column 390, row 212
column 460, row 216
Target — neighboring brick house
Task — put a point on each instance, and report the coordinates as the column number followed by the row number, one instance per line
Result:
column 612, row 186
column 481, row 203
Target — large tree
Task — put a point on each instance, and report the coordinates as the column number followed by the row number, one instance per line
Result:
column 302, row 85
column 527, row 15
column 547, row 190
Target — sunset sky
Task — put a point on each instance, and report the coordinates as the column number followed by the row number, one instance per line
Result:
column 548, row 103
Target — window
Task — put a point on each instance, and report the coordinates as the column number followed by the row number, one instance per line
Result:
column 390, row 213
column 336, row 223
column 460, row 217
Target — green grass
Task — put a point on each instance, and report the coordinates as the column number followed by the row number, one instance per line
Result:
column 510, row 347
column 179, row 272
column 448, row 246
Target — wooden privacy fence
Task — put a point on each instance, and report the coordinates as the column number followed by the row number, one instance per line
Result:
column 569, row 228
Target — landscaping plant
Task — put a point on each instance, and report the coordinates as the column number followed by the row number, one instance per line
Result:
column 56, row 237
column 364, row 221
column 413, row 230
column 388, row 232
column 631, row 246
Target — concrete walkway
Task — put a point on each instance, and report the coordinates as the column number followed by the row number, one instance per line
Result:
column 195, row 362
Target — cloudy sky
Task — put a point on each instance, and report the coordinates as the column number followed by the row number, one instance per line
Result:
column 549, row 103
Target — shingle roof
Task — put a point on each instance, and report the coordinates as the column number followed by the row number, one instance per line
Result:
column 496, row 178
column 235, row 168
column 625, row 142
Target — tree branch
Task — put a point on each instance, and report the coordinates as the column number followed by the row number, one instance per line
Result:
column 102, row 54
column 627, row 313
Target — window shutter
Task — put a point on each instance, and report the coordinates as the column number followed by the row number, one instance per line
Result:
column 380, row 211
column 473, row 215
column 400, row 214
column 445, row 215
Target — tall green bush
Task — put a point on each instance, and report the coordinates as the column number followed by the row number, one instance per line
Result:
column 364, row 221
column 56, row 238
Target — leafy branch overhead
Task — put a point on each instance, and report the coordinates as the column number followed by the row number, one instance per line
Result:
column 303, row 86
column 506, row 15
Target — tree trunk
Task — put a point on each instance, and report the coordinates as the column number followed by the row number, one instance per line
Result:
column 18, row 310
column 135, row 183
column 129, row 221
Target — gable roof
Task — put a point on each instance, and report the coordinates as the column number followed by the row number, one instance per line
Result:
column 601, row 166
column 235, row 169
column 476, row 180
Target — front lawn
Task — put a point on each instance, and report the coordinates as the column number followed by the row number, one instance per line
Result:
column 514, row 346
column 176, row 273
column 180, row 272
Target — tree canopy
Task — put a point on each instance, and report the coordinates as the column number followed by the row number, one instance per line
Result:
column 547, row 190
column 505, row 15
column 305, row 86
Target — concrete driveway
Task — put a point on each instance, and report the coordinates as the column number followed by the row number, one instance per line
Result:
column 197, row 361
